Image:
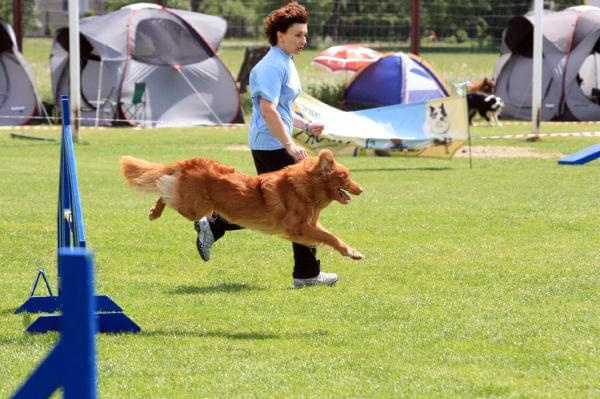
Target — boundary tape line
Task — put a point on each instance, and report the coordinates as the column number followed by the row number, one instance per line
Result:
column 530, row 135
column 58, row 127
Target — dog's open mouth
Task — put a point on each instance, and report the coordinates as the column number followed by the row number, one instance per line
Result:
column 342, row 196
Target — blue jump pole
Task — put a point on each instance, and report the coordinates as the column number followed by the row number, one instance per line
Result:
column 71, row 233
column 581, row 157
column 71, row 364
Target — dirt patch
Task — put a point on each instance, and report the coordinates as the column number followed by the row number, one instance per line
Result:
column 237, row 147
column 505, row 152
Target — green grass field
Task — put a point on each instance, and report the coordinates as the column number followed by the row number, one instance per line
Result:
column 476, row 282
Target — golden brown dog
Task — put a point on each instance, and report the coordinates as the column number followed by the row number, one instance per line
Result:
column 286, row 202
column 486, row 86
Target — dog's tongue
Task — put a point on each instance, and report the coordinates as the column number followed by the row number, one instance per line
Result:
column 342, row 196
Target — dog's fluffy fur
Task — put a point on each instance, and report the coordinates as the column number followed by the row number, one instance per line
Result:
column 486, row 86
column 488, row 106
column 286, row 202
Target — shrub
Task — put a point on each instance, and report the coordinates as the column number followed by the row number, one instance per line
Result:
column 329, row 93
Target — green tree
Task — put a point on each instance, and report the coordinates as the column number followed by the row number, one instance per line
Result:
column 30, row 16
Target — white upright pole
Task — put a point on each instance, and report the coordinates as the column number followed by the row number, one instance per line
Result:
column 74, row 67
column 536, row 88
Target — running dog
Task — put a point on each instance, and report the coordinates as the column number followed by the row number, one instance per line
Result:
column 488, row 106
column 486, row 86
column 286, row 202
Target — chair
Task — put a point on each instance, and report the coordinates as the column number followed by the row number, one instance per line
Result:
column 137, row 103
column 251, row 58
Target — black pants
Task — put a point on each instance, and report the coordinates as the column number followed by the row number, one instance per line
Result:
column 306, row 264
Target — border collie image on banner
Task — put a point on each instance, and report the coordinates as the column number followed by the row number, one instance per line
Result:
column 437, row 125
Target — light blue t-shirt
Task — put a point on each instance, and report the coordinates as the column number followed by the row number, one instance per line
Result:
column 275, row 79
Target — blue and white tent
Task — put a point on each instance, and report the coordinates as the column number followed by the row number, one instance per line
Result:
column 397, row 78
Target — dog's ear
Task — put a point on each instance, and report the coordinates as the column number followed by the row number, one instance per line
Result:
column 325, row 164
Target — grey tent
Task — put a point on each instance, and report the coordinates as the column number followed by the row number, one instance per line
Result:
column 146, row 63
column 19, row 101
column 570, row 71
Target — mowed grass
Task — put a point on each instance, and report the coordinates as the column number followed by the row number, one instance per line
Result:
column 477, row 282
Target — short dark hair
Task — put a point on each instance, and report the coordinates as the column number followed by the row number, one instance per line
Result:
column 279, row 20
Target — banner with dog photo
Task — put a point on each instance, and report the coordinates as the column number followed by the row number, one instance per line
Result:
column 436, row 128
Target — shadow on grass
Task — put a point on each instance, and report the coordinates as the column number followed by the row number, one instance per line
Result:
column 257, row 336
column 26, row 339
column 249, row 335
column 428, row 169
column 7, row 311
column 229, row 288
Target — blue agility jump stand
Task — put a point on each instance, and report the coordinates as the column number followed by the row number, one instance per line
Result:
column 581, row 157
column 71, row 364
column 71, row 233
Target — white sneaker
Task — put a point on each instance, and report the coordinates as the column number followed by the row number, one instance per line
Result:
column 321, row 279
column 205, row 238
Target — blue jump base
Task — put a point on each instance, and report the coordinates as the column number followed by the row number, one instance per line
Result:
column 51, row 304
column 71, row 364
column 71, row 234
column 581, row 157
column 106, row 323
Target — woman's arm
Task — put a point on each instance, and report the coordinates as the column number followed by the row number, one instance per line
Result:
column 276, row 126
column 314, row 128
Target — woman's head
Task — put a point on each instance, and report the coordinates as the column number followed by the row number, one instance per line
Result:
column 286, row 27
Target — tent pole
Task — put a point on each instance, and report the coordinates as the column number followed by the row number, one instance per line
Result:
column 98, row 93
column 74, row 67
column 470, row 157
column 178, row 69
column 414, row 28
column 43, row 109
column 536, row 90
column 18, row 22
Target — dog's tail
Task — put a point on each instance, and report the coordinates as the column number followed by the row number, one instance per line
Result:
column 142, row 175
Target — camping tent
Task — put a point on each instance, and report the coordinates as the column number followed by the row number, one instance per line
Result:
column 152, row 64
column 397, row 78
column 19, row 101
column 570, row 70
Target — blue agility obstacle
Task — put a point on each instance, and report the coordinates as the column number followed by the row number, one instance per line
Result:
column 71, row 364
column 71, row 234
column 581, row 157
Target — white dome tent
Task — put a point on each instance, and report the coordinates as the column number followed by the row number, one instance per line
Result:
column 169, row 54
column 19, row 101
column 570, row 68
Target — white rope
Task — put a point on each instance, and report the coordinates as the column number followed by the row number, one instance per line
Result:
column 198, row 94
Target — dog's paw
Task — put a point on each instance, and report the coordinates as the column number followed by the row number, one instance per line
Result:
column 153, row 215
column 354, row 254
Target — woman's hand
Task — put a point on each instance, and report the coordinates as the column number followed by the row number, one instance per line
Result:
column 297, row 152
column 314, row 128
